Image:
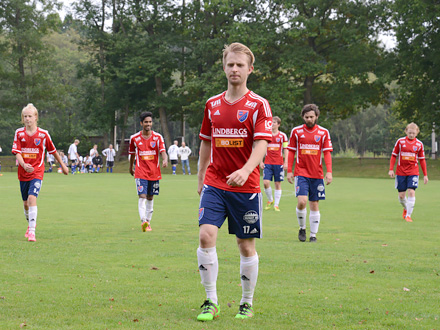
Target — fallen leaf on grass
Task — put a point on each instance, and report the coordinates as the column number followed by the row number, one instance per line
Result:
column 154, row 268
column 384, row 244
column 135, row 320
column 229, row 305
column 371, row 271
column 112, row 299
column 22, row 325
column 406, row 289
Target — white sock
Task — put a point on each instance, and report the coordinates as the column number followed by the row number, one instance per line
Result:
column 277, row 197
column 26, row 214
column 314, row 218
column 208, row 269
column 142, row 207
column 268, row 192
column 32, row 218
column 249, row 276
column 301, row 215
column 410, row 205
column 149, row 209
column 403, row 202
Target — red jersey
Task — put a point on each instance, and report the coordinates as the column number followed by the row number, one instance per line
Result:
column 32, row 149
column 147, row 153
column 274, row 155
column 408, row 153
column 232, row 129
column 308, row 143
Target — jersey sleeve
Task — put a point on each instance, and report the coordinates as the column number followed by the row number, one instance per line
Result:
column 263, row 124
column 205, row 130
column 395, row 151
column 49, row 145
column 421, row 153
column 292, row 141
column 16, row 145
column 161, row 145
column 132, row 147
column 327, row 143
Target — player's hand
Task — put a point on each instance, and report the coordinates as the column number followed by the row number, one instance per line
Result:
column 328, row 178
column 285, row 166
column 425, row 179
column 28, row 168
column 290, row 178
column 391, row 173
column 164, row 163
column 237, row 178
column 65, row 169
column 131, row 171
column 262, row 165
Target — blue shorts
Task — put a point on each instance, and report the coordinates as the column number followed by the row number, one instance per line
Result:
column 275, row 171
column 243, row 210
column 147, row 187
column 404, row 182
column 30, row 188
column 314, row 188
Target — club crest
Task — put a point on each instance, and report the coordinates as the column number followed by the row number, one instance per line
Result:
column 278, row 140
column 37, row 141
column 317, row 138
column 415, row 148
column 201, row 212
column 153, row 144
column 242, row 115
column 140, row 188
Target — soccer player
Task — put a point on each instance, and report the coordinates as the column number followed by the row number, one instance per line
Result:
column 109, row 154
column 173, row 152
column 274, row 164
column 307, row 142
column 184, row 153
column 235, row 131
column 30, row 143
column 409, row 150
column 73, row 155
column 145, row 147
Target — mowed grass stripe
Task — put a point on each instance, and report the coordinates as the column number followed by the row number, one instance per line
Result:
column 93, row 268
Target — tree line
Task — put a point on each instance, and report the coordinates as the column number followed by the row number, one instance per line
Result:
column 92, row 72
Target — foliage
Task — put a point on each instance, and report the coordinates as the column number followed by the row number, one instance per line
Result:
column 417, row 65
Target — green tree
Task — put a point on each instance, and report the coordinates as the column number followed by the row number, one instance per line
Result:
column 417, row 26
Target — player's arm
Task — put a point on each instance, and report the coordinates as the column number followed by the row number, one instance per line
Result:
column 286, row 156
column 290, row 160
column 392, row 162
column 240, row 176
column 164, row 158
column 424, row 170
column 27, row 167
column 132, row 158
column 205, row 152
column 63, row 166
column 328, row 164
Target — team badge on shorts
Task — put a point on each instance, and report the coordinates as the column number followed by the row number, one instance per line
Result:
column 250, row 217
column 201, row 212
column 140, row 188
column 242, row 115
column 37, row 141
column 317, row 138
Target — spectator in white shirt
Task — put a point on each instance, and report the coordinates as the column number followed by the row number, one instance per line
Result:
column 110, row 154
column 173, row 153
column 184, row 153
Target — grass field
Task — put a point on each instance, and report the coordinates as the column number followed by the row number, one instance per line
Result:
column 93, row 268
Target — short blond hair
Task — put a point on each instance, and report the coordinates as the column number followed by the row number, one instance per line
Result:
column 30, row 106
column 413, row 126
column 237, row 47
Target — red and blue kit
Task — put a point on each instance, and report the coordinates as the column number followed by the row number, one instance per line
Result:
column 147, row 153
column 32, row 149
column 232, row 129
column 408, row 152
column 308, row 144
column 274, row 155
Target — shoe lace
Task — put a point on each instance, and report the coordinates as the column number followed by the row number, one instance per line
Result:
column 207, row 306
column 245, row 309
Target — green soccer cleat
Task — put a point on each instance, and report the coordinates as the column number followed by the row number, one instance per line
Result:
column 209, row 312
column 269, row 205
column 145, row 226
column 245, row 312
